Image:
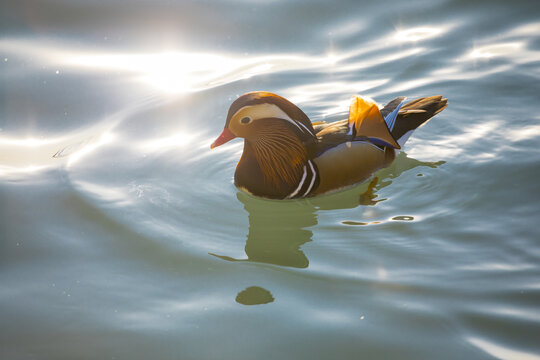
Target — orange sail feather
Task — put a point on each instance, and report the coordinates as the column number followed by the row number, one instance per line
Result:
column 366, row 120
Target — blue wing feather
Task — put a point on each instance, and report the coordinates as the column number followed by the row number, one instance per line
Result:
column 390, row 119
column 380, row 142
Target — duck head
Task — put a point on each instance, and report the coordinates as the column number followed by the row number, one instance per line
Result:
column 254, row 114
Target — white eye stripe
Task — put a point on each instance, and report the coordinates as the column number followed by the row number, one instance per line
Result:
column 261, row 111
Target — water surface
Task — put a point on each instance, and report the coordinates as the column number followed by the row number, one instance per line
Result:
column 123, row 237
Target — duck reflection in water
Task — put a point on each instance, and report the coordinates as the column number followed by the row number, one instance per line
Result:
column 278, row 229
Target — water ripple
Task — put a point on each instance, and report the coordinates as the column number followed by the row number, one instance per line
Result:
column 501, row 352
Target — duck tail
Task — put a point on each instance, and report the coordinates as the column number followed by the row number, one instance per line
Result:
column 402, row 120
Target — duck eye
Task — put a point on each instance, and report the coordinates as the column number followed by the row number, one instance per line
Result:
column 245, row 120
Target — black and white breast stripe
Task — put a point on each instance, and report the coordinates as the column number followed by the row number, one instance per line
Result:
column 308, row 182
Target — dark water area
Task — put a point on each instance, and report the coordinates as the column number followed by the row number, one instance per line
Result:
column 122, row 235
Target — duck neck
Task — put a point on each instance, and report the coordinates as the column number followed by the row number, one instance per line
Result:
column 281, row 157
column 271, row 166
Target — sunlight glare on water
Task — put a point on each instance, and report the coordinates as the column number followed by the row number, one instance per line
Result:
column 172, row 72
column 29, row 155
column 420, row 33
column 165, row 143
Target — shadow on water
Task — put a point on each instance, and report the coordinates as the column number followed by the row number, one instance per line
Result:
column 278, row 229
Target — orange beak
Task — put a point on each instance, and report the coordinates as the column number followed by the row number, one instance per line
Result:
column 225, row 136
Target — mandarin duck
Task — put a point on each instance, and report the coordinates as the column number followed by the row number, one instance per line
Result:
column 286, row 156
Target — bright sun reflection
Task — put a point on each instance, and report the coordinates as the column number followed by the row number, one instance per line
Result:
column 165, row 143
column 418, row 33
column 89, row 148
column 489, row 51
column 30, row 169
column 500, row 351
column 177, row 72
column 171, row 71
column 31, row 155
column 25, row 142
